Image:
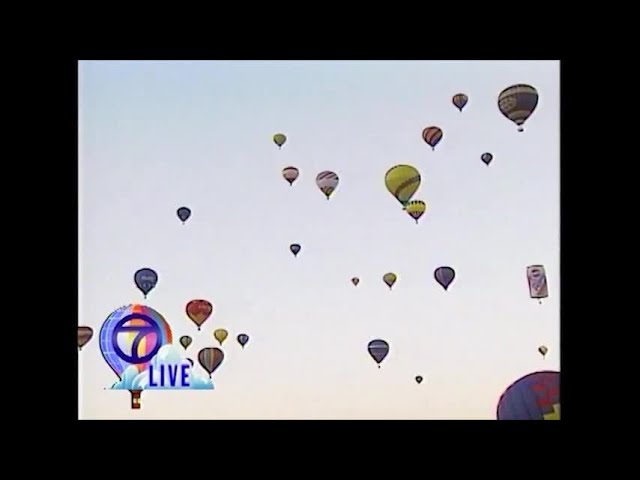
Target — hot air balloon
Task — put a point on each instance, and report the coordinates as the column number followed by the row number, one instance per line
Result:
column 486, row 158
column 210, row 359
column 290, row 174
column 416, row 208
column 537, row 278
column 295, row 249
column 185, row 341
column 419, row 379
column 84, row 335
column 355, row 281
column 389, row 278
column 243, row 339
column 199, row 311
column 146, row 280
column 517, row 103
column 460, row 100
column 220, row 335
column 279, row 139
column 183, row 214
column 543, row 350
column 444, row 276
column 378, row 349
column 533, row 397
column 432, row 135
column 402, row 181
column 327, row 182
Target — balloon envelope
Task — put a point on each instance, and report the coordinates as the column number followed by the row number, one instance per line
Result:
column 355, row 281
column 185, row 341
column 415, row 209
column 290, row 174
column 402, row 181
column 199, row 311
column 279, row 139
column 543, row 350
column 533, row 397
column 517, row 103
column 295, row 248
column 84, row 335
column 389, row 278
column 378, row 349
column 444, row 276
column 210, row 359
column 184, row 213
column 327, row 182
column 146, row 280
column 486, row 158
column 460, row 100
column 243, row 338
column 432, row 135
column 220, row 335
column 419, row 379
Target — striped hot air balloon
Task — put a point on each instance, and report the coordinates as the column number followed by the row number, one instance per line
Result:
column 402, row 181
column 327, row 182
column 432, row 135
column 290, row 174
column 517, row 103
column 460, row 100
column 416, row 208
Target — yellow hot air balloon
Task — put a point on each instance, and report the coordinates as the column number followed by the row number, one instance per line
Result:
column 403, row 182
column 389, row 278
column 416, row 208
column 279, row 139
column 220, row 335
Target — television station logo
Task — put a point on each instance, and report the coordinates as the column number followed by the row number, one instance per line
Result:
column 137, row 343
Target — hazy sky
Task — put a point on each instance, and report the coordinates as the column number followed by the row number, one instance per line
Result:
column 154, row 136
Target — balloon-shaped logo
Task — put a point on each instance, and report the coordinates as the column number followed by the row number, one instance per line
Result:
column 84, row 335
column 183, row 214
column 378, row 349
column 146, row 280
column 199, row 311
column 243, row 339
column 444, row 276
column 132, row 335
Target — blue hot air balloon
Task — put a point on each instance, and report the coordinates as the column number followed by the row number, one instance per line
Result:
column 146, row 280
column 184, row 213
column 533, row 397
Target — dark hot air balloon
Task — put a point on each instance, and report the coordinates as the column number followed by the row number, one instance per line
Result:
column 199, row 311
column 295, row 249
column 533, row 397
column 486, row 158
column 517, row 103
column 243, row 339
column 432, row 135
column 378, row 349
column 183, row 214
column 460, row 100
column 185, row 341
column 543, row 350
column 146, row 280
column 419, row 379
column 444, row 276
column 84, row 335
column 355, row 281
column 210, row 359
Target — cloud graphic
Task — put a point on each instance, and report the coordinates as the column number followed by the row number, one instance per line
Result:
column 168, row 355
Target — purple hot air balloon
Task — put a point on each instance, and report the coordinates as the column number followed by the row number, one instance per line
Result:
column 243, row 338
column 533, row 397
column 378, row 349
column 444, row 276
column 295, row 248
column 184, row 213
column 146, row 280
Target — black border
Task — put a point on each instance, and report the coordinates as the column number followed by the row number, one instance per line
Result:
column 59, row 199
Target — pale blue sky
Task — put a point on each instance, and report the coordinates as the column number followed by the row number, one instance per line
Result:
column 154, row 136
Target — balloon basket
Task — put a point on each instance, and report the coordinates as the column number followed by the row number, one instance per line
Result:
column 136, row 400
